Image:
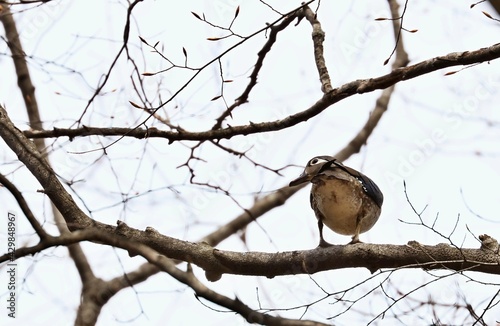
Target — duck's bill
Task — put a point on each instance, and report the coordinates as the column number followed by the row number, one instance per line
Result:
column 300, row 180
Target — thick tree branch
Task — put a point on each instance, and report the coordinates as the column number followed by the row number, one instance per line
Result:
column 218, row 262
column 22, row 71
column 370, row 256
column 355, row 87
column 27, row 153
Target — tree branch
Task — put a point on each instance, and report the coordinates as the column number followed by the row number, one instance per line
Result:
column 23, row 205
column 22, row 71
column 27, row 153
column 318, row 36
column 261, row 55
column 28, row 90
column 218, row 262
column 355, row 87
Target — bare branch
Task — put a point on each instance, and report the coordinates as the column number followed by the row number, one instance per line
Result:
column 23, row 76
column 218, row 262
column 40, row 168
column 24, row 206
column 243, row 98
column 356, row 87
column 318, row 36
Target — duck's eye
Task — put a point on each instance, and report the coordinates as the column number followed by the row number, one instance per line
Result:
column 314, row 161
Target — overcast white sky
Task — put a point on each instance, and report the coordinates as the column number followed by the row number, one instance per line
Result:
column 440, row 135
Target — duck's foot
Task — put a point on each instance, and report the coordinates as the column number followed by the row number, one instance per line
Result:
column 324, row 244
column 354, row 240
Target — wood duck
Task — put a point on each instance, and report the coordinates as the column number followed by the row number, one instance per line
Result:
column 346, row 200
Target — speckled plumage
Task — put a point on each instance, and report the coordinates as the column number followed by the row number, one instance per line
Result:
column 345, row 200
